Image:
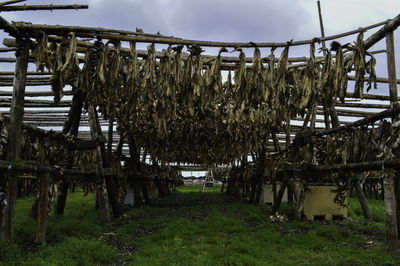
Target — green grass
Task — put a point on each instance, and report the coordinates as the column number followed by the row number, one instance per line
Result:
column 198, row 188
column 199, row 227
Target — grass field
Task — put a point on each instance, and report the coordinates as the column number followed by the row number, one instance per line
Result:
column 198, row 227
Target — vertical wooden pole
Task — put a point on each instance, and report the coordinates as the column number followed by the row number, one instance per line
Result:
column 71, row 125
column 110, row 139
column 300, row 199
column 362, row 199
column 397, row 195
column 329, row 109
column 111, row 181
column 278, row 200
column 287, row 129
column 390, row 206
column 303, row 185
column 321, row 23
column 314, row 116
column 388, row 180
column 120, row 145
column 391, row 66
column 334, row 116
column 42, row 208
column 308, row 116
column 135, row 161
column 101, row 193
column 15, row 137
column 326, row 117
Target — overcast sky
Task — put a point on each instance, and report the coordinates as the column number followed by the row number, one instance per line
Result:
column 224, row 20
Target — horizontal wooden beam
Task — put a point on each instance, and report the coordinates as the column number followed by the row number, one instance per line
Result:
column 362, row 122
column 52, row 134
column 29, row 73
column 11, row 2
column 41, row 7
column 379, row 80
column 363, row 105
column 57, row 29
column 34, row 93
column 354, row 167
column 177, row 41
column 29, row 167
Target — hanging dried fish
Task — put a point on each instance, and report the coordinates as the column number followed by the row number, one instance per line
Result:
column 309, row 79
column 370, row 69
column 65, row 67
column 358, row 61
column 340, row 83
column 42, row 53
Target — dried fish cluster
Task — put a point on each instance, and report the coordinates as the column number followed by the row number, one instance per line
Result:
column 361, row 145
column 178, row 107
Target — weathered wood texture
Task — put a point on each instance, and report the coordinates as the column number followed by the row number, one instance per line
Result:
column 102, row 202
column 363, row 200
column 15, row 138
column 71, row 125
column 41, row 7
column 42, row 208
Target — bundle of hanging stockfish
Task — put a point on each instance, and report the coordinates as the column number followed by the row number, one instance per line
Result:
column 179, row 108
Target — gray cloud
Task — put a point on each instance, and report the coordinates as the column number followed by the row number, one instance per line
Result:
column 227, row 20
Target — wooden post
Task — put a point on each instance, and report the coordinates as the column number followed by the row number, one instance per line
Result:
column 321, row 24
column 118, row 149
column 71, row 125
column 42, row 208
column 291, row 186
column 300, row 200
column 326, row 117
column 287, row 129
column 310, row 112
column 102, row 201
column 362, row 199
column 110, row 139
column 390, row 205
column 391, row 65
column 303, row 185
column 314, row 116
column 135, row 162
column 278, row 200
column 334, row 117
column 331, row 109
column 15, row 138
column 389, row 176
column 397, row 194
column 111, row 182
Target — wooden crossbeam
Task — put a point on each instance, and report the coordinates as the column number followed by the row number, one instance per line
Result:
column 11, row 2
column 41, row 7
